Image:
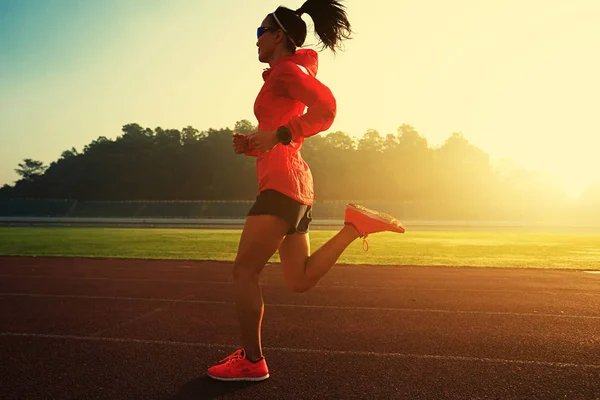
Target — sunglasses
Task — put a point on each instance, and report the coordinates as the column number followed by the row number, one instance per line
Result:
column 263, row 29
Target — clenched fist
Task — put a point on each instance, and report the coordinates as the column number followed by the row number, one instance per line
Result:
column 240, row 143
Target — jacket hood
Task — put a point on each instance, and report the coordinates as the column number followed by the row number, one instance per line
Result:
column 309, row 59
column 306, row 58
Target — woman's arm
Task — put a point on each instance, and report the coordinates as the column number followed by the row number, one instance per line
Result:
column 297, row 85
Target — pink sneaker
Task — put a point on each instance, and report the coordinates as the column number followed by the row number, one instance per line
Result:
column 367, row 221
column 236, row 367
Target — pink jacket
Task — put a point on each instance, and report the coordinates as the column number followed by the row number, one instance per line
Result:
column 291, row 87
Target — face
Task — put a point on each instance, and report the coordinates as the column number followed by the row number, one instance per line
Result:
column 268, row 41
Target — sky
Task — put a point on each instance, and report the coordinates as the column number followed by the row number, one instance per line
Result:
column 519, row 78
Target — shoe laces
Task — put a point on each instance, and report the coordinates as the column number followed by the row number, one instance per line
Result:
column 235, row 356
column 365, row 244
column 233, row 360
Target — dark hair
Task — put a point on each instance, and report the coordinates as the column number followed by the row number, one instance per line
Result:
column 330, row 21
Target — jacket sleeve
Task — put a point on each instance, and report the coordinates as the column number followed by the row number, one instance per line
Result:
column 321, row 105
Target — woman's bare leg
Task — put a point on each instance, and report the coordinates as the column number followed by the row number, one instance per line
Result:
column 301, row 270
column 261, row 237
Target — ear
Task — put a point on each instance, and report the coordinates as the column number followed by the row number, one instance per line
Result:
column 280, row 36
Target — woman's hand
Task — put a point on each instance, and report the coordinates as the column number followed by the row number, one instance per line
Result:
column 240, row 143
column 263, row 140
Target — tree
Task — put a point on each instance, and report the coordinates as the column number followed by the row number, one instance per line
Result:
column 69, row 153
column 463, row 179
column 408, row 137
column 390, row 142
column 410, row 164
column 132, row 129
column 189, row 135
column 244, row 126
column 5, row 190
column 339, row 140
column 334, row 153
column 98, row 145
column 371, row 141
column 30, row 169
column 368, row 165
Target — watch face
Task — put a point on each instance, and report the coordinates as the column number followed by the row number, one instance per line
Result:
column 284, row 135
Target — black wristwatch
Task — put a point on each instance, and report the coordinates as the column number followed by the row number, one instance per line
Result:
column 284, row 135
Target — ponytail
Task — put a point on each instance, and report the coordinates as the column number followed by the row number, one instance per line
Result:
column 330, row 23
column 330, row 20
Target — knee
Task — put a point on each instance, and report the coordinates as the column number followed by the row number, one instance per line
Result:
column 298, row 286
column 245, row 272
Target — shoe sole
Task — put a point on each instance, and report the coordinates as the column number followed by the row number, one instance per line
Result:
column 262, row 378
column 379, row 216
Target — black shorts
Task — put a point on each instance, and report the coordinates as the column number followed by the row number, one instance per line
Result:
column 272, row 202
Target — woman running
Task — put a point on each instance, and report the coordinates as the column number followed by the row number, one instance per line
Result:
column 279, row 219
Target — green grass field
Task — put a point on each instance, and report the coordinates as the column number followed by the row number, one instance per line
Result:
column 480, row 249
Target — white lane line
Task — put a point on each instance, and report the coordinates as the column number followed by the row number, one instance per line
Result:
column 139, row 317
column 305, row 351
column 317, row 306
column 129, row 321
column 320, row 286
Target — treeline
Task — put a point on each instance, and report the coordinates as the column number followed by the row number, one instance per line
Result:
column 172, row 164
